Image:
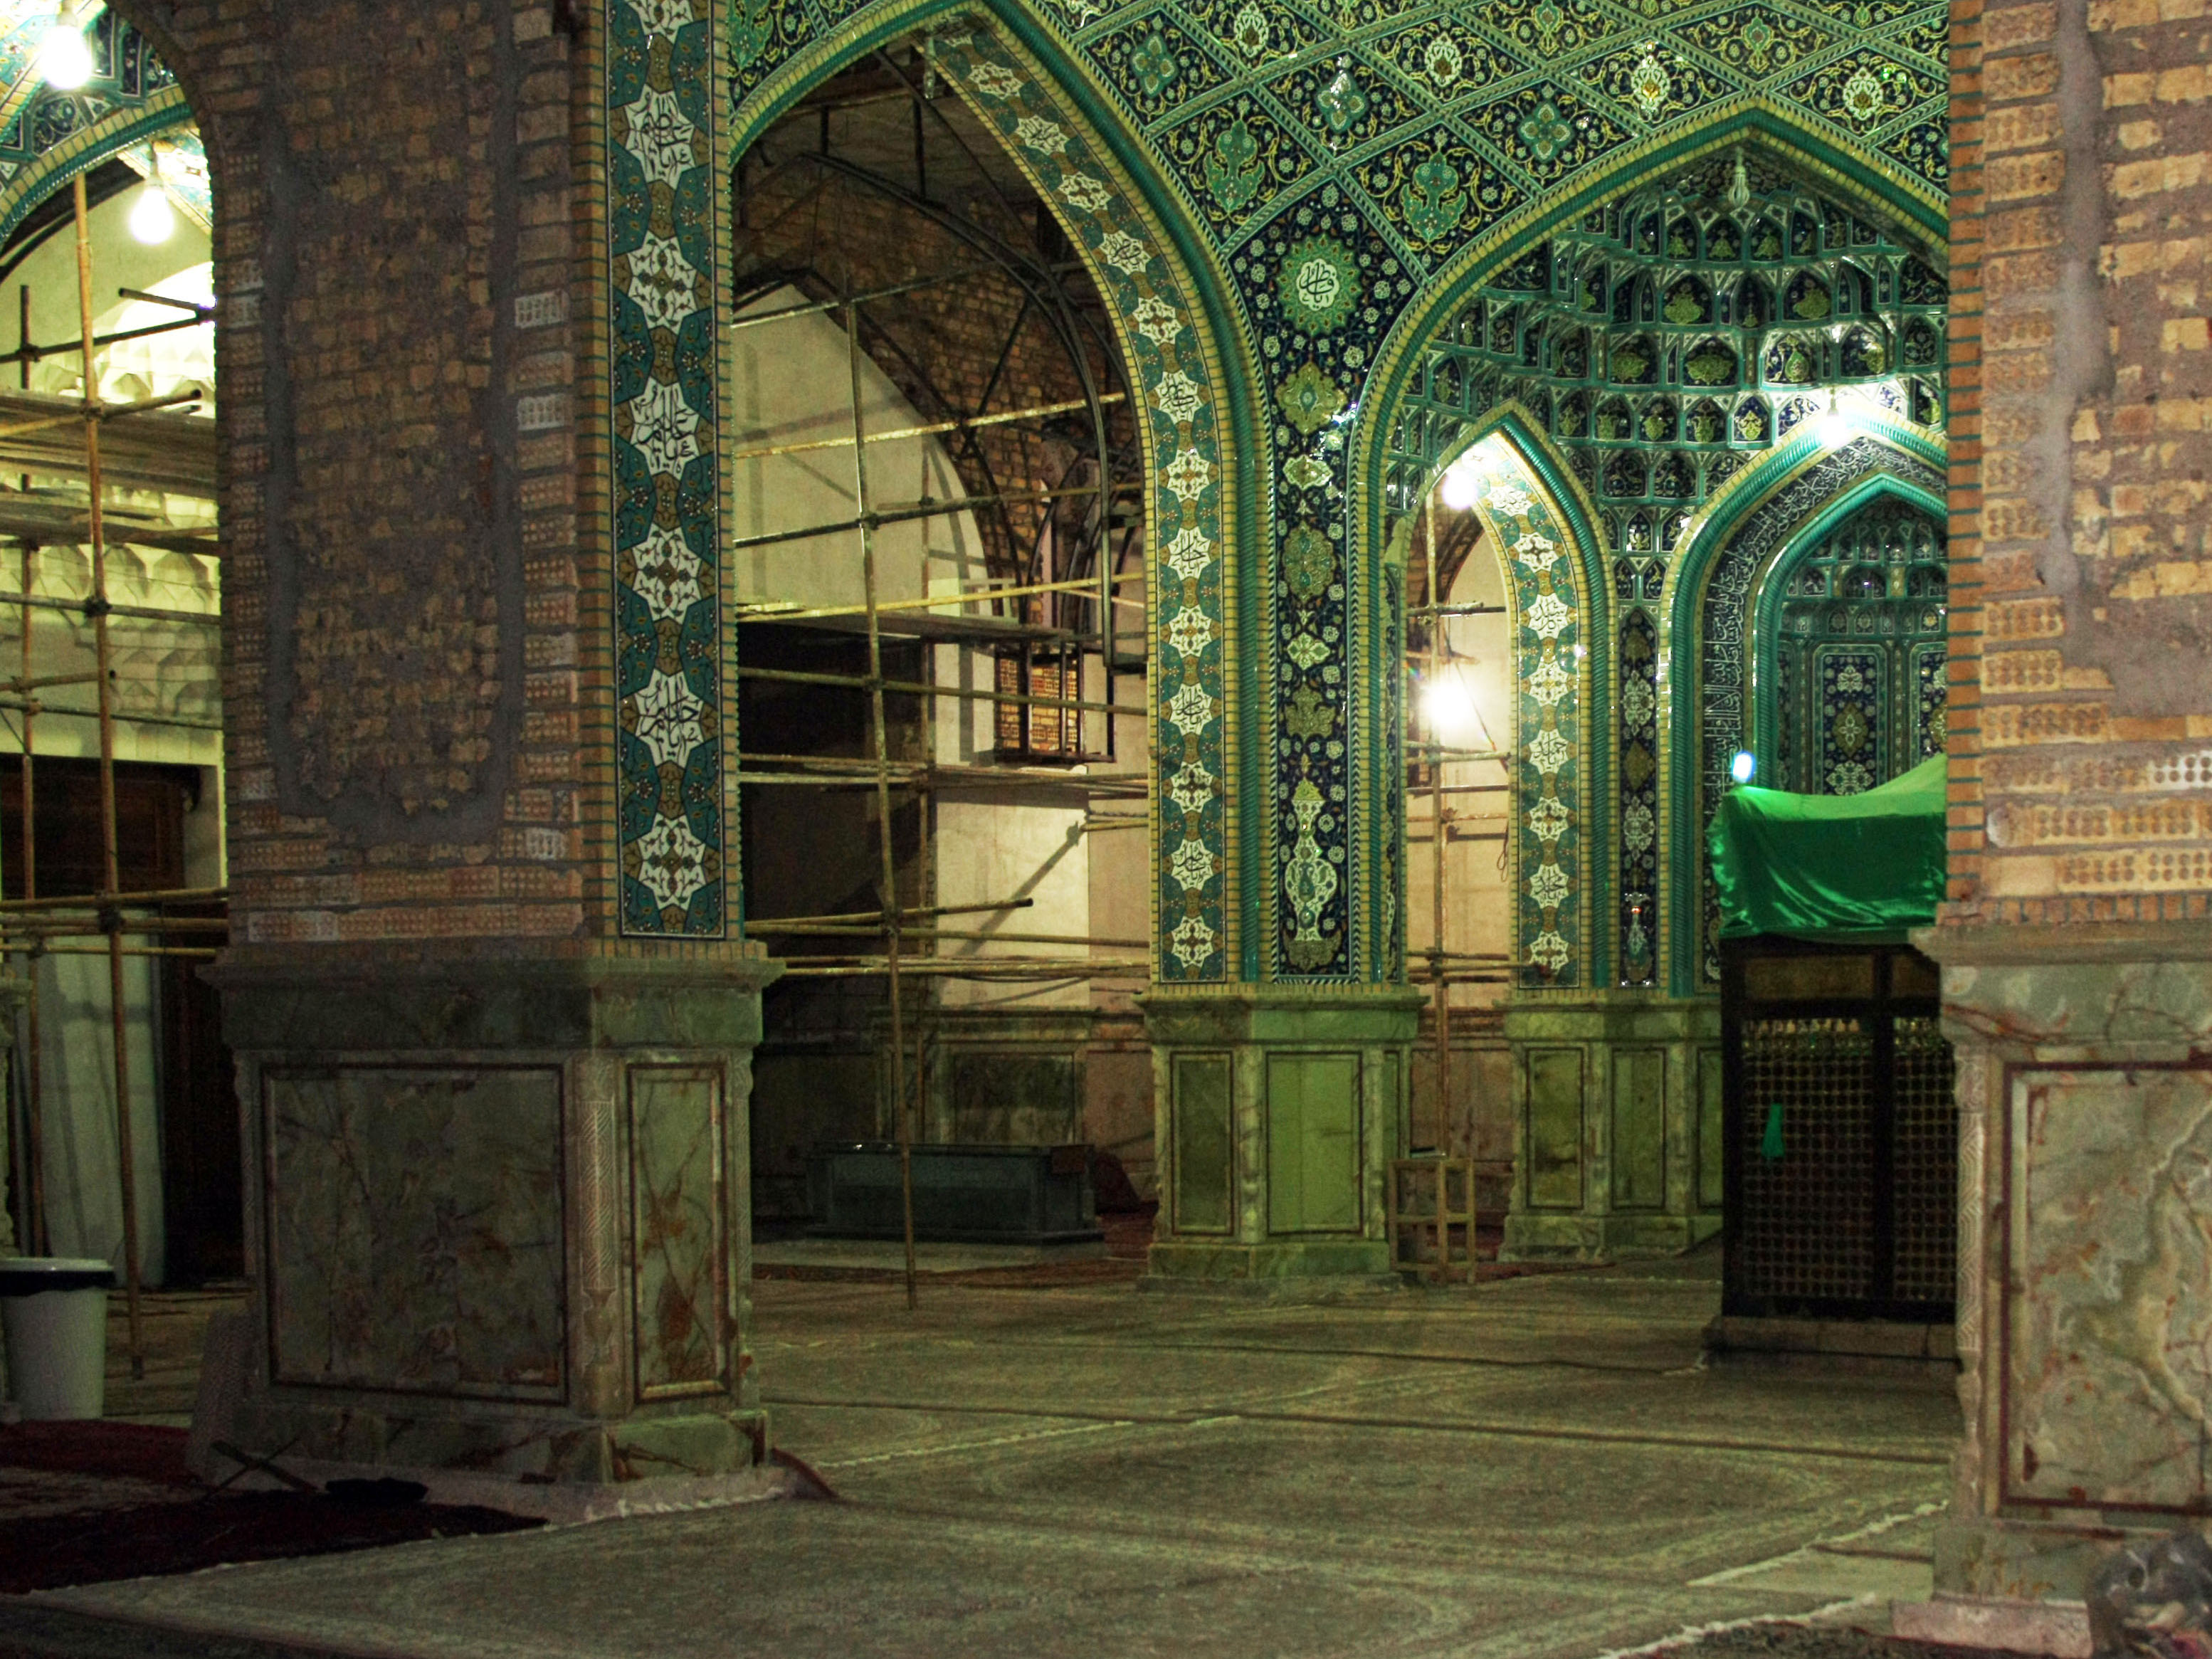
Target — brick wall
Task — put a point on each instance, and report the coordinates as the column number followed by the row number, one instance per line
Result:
column 945, row 347
column 2081, row 588
column 416, row 684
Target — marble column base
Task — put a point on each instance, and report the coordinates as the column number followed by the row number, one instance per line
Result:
column 1616, row 1125
column 1191, row 1262
column 1277, row 1113
column 2085, row 1286
column 501, row 1220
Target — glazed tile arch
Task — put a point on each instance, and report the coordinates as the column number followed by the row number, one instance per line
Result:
column 1791, row 497
column 1198, row 504
column 1295, row 155
column 1538, row 526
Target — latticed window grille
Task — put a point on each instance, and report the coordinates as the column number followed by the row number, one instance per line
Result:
column 1025, row 729
column 1842, row 1133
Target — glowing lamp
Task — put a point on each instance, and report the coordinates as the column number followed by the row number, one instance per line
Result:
column 65, row 56
column 1462, row 486
column 152, row 219
column 1745, row 767
column 1832, row 427
column 1448, row 705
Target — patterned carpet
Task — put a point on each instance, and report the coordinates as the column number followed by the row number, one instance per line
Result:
column 1802, row 1642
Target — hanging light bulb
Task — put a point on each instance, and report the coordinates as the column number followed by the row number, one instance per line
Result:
column 1832, row 427
column 65, row 56
column 1463, row 484
column 1448, row 704
column 152, row 219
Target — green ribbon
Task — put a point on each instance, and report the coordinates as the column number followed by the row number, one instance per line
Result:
column 1770, row 1146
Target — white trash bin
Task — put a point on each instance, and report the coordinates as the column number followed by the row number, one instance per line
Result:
column 54, row 1309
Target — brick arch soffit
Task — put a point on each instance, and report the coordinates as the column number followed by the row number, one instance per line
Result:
column 1795, row 492
column 1535, row 516
column 1180, row 334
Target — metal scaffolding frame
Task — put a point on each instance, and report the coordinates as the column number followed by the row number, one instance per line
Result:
column 31, row 927
column 1454, row 1137
column 1064, row 597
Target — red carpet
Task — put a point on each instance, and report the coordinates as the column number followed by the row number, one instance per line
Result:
column 75, row 1509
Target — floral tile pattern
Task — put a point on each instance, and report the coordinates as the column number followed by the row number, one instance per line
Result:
column 1332, row 158
column 668, row 638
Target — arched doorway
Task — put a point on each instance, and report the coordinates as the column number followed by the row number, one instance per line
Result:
column 1724, row 336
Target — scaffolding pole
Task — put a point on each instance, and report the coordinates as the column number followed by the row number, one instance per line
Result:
column 880, row 733
column 934, row 428
column 777, row 611
column 34, row 1131
column 1448, row 1128
column 110, row 864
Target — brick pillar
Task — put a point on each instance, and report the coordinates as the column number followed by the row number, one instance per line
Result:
column 493, row 1014
column 2077, row 977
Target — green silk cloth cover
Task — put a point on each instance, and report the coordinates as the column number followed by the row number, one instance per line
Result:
column 1863, row 867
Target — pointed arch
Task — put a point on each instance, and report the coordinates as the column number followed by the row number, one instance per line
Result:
column 1797, row 489
column 1530, row 503
column 88, row 147
column 1205, row 514
column 1755, row 123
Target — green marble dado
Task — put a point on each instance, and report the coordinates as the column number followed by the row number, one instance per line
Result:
column 1617, row 1125
column 544, row 1448
column 501, row 1224
column 1278, row 1113
column 2085, row 1293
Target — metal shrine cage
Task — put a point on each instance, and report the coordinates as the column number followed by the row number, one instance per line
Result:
column 1841, row 1134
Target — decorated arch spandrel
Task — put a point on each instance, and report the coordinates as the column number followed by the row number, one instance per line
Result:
column 1352, row 172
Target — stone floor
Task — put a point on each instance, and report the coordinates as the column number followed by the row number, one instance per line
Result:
column 1540, row 1468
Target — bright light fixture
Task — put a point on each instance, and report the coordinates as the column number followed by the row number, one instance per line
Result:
column 1448, row 705
column 1832, row 427
column 1745, row 767
column 152, row 219
column 1462, row 485
column 64, row 55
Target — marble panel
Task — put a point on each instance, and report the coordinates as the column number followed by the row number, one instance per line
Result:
column 1639, row 1129
column 1203, row 1152
column 1313, row 1143
column 680, row 1268
column 2109, row 1329
column 1554, row 1141
column 414, row 1229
